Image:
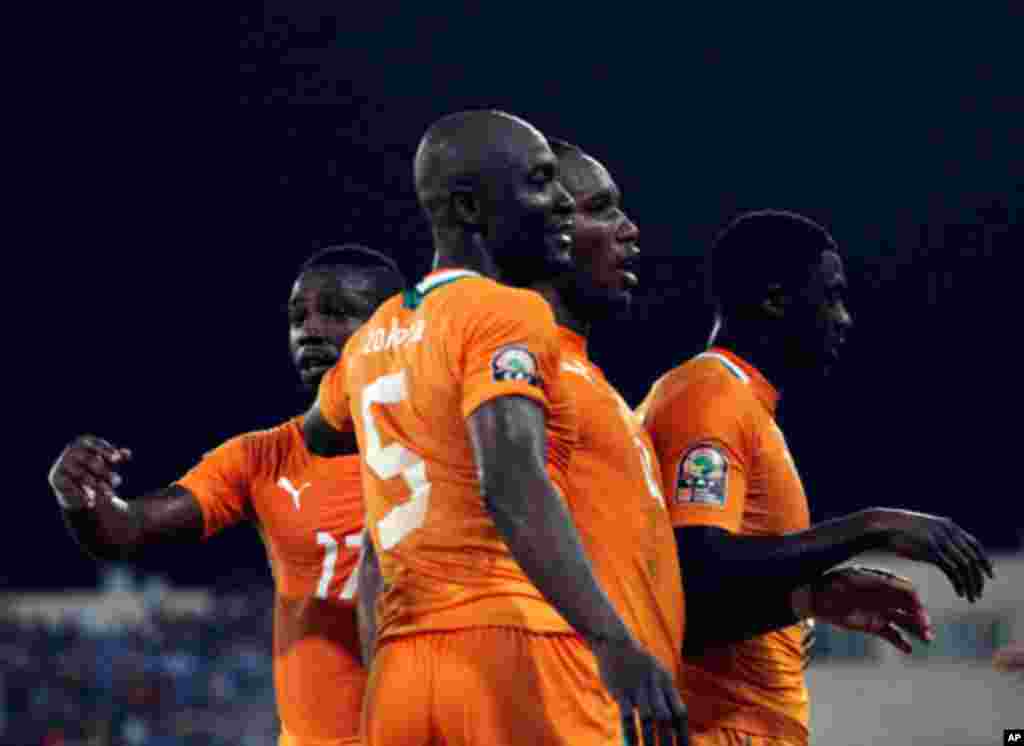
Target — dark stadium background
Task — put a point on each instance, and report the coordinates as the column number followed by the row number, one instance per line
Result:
column 901, row 133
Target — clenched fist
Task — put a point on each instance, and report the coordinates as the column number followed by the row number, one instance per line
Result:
column 86, row 469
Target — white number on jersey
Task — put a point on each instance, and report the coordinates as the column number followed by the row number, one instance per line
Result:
column 392, row 461
column 330, row 559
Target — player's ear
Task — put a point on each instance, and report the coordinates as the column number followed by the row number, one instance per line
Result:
column 465, row 206
column 775, row 301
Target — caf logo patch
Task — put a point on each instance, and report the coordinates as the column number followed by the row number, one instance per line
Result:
column 703, row 477
column 514, row 363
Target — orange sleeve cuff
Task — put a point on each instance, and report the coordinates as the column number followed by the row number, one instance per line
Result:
column 507, row 388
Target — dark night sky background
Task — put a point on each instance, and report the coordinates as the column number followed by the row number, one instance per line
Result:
column 902, row 133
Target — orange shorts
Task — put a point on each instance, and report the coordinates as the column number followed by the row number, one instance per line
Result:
column 727, row 737
column 488, row 686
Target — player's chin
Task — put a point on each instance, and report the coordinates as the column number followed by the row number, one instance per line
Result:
column 604, row 304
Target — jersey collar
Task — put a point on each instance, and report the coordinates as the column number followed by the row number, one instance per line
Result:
column 414, row 296
column 442, row 277
column 763, row 390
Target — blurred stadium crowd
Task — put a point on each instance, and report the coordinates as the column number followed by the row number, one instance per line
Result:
column 142, row 663
column 174, row 679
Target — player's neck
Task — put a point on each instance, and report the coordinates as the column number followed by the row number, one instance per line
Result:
column 756, row 346
column 463, row 251
column 563, row 316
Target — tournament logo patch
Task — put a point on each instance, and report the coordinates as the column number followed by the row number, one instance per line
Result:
column 703, row 477
column 515, row 363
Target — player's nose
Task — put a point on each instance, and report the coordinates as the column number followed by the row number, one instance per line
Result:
column 313, row 329
column 629, row 233
column 844, row 319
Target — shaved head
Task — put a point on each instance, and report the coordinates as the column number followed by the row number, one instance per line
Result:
column 488, row 183
column 580, row 173
column 459, row 150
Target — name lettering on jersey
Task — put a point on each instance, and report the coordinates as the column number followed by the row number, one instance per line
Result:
column 286, row 484
column 515, row 363
column 380, row 339
column 703, row 477
column 575, row 366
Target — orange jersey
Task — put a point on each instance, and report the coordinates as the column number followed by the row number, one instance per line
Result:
column 407, row 381
column 309, row 512
column 616, row 498
column 712, row 421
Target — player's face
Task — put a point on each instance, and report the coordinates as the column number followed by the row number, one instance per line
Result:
column 528, row 214
column 604, row 238
column 326, row 307
column 822, row 320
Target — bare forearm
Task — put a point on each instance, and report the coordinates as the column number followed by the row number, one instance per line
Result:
column 116, row 529
column 711, row 556
column 762, row 571
column 539, row 531
column 110, row 531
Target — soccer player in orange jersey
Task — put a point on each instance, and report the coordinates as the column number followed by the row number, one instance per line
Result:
column 636, row 560
column 736, row 499
column 614, row 486
column 309, row 510
column 492, row 628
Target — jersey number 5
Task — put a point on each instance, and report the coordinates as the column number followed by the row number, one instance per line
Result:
column 394, row 460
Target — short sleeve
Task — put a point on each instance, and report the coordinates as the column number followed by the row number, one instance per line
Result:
column 509, row 346
column 703, row 443
column 333, row 398
column 220, row 483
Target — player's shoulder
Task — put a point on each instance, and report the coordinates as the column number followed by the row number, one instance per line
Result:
column 704, row 381
column 476, row 296
column 274, row 443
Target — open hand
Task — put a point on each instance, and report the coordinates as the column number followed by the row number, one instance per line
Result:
column 872, row 601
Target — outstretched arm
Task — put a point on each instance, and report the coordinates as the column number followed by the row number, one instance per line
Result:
column 766, row 570
column 85, row 481
column 762, row 571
